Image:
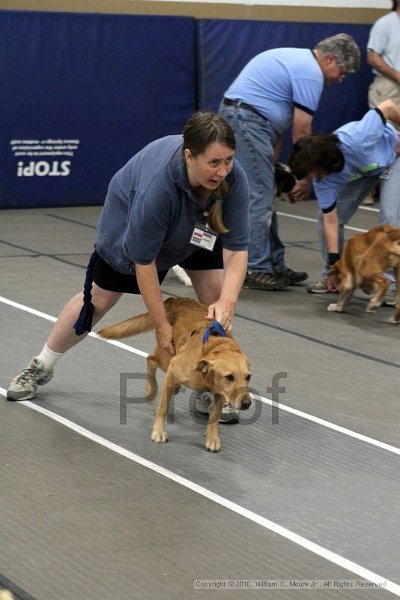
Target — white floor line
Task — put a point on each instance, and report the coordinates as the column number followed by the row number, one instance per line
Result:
column 349, row 432
column 338, row 560
column 279, row 406
column 310, row 220
column 43, row 315
column 370, row 208
column 332, row 557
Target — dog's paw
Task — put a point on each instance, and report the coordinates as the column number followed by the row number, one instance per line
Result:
column 159, row 436
column 334, row 307
column 372, row 308
column 213, row 444
column 394, row 320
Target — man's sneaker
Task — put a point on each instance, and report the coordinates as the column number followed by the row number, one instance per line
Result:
column 390, row 298
column 24, row 385
column 269, row 282
column 319, row 287
column 294, row 277
column 202, row 405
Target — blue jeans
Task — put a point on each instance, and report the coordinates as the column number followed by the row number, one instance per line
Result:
column 389, row 196
column 255, row 139
column 349, row 199
column 389, row 203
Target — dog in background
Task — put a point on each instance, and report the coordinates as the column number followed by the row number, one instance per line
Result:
column 284, row 181
column 366, row 257
column 206, row 360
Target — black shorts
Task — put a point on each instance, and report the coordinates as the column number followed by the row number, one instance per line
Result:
column 109, row 279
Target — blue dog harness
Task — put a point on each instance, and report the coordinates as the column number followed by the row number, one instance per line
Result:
column 215, row 328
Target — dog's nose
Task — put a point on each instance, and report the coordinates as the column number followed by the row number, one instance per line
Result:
column 245, row 403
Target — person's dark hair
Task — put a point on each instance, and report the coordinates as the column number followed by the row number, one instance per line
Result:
column 317, row 152
column 205, row 128
column 344, row 47
column 202, row 130
column 395, row 4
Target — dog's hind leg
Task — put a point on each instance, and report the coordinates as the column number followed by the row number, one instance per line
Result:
column 381, row 287
column 213, row 442
column 159, row 433
column 395, row 318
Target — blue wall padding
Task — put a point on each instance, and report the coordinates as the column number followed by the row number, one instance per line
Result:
column 112, row 82
column 81, row 93
column 226, row 46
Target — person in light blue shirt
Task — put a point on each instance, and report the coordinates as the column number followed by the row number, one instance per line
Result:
column 278, row 89
column 370, row 152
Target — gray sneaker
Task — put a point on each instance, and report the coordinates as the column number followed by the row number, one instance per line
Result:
column 319, row 287
column 202, row 405
column 24, row 385
column 390, row 298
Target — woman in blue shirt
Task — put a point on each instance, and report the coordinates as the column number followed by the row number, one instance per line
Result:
column 180, row 200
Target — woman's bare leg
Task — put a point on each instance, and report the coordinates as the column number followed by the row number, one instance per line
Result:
column 63, row 336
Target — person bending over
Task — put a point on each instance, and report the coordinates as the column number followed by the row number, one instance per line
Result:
column 183, row 199
column 346, row 165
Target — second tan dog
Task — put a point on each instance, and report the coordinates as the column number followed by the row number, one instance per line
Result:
column 366, row 257
column 217, row 364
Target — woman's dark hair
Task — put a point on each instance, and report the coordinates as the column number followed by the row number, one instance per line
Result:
column 202, row 130
column 395, row 4
column 205, row 128
column 318, row 152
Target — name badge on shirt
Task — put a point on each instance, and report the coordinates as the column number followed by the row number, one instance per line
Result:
column 203, row 237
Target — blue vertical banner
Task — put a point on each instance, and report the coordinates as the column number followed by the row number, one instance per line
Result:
column 81, row 93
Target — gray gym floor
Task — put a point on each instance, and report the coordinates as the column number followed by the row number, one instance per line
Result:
column 301, row 502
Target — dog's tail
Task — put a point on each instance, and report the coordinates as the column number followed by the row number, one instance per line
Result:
column 132, row 326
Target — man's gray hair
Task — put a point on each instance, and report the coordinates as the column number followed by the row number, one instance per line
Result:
column 344, row 48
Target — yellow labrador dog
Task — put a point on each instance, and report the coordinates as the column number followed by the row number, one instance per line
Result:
column 206, row 359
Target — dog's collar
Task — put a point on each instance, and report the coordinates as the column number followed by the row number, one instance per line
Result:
column 215, row 328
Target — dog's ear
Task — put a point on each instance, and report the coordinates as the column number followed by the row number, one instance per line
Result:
column 388, row 228
column 335, row 268
column 202, row 367
column 334, row 275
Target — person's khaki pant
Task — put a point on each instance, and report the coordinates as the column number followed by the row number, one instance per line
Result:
column 382, row 89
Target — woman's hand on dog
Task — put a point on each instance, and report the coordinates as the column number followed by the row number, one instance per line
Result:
column 223, row 312
column 164, row 338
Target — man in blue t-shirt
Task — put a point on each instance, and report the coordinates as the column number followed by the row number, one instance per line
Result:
column 369, row 149
column 276, row 90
